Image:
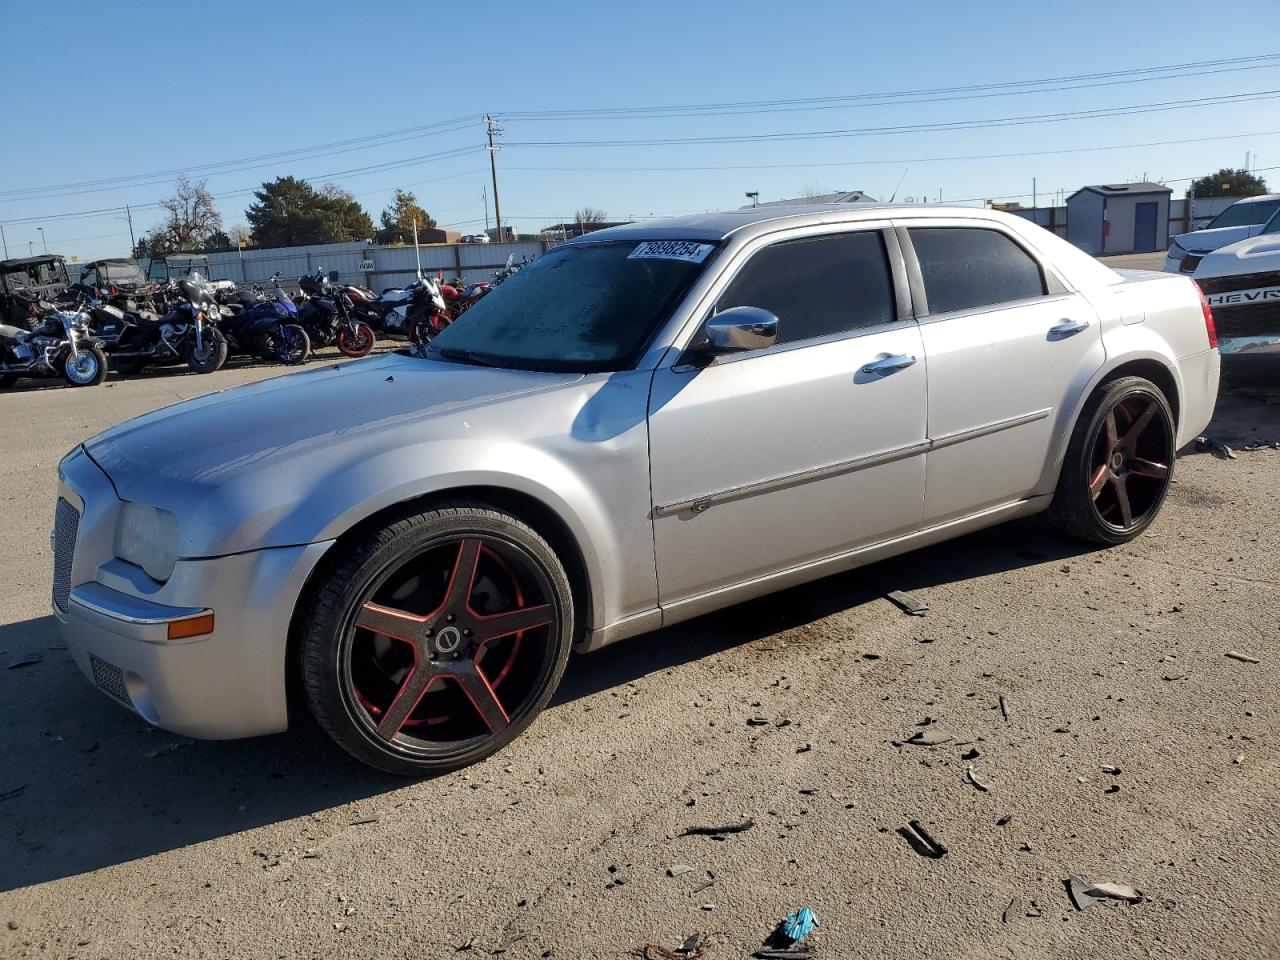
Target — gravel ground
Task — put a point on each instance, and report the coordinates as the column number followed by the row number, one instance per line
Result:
column 120, row 841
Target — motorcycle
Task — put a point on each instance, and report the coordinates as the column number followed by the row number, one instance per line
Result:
column 265, row 325
column 60, row 343
column 185, row 334
column 415, row 313
column 328, row 315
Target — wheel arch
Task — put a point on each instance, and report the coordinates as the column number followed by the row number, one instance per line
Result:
column 538, row 514
column 1159, row 369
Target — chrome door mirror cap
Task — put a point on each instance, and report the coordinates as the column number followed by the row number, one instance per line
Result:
column 740, row 329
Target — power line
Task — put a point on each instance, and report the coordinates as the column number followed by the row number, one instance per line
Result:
column 865, row 163
column 865, row 100
column 1102, row 112
column 231, row 166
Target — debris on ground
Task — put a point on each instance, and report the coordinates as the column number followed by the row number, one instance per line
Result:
column 1005, row 820
column 29, row 660
column 971, row 754
column 1033, row 910
column 363, row 821
column 970, row 776
column 927, row 738
column 654, row 951
column 784, row 942
column 678, row 870
column 1242, row 657
column 1085, row 893
column 1011, row 910
column 1114, row 771
column 908, row 603
column 922, row 841
column 1004, row 707
column 718, row 833
column 1216, row 447
column 757, row 721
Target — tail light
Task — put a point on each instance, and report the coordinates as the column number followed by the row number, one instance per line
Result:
column 1209, row 327
column 114, row 291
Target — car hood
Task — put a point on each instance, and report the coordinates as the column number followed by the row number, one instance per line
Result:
column 1255, row 255
column 250, row 450
column 1202, row 241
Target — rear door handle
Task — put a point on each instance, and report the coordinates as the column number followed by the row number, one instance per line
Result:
column 1068, row 328
column 887, row 365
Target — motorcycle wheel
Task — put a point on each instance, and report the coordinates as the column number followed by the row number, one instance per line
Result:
column 358, row 344
column 212, row 357
column 85, row 368
column 292, row 345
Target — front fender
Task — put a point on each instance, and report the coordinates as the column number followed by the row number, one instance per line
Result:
column 333, row 504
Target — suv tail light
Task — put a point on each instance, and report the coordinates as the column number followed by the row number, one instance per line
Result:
column 1209, row 327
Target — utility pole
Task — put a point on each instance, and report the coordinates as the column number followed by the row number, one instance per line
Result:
column 491, row 127
column 4, row 241
column 133, row 244
column 484, row 199
column 43, row 240
column 1033, row 193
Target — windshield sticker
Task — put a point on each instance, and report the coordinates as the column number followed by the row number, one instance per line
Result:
column 686, row 250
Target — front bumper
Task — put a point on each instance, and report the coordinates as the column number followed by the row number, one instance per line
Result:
column 114, row 618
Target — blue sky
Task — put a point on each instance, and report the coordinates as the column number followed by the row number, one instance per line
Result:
column 113, row 91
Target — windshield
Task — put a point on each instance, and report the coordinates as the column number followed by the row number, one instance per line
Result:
column 581, row 307
column 1245, row 214
column 122, row 273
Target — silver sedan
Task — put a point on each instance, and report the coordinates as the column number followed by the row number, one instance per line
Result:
column 645, row 424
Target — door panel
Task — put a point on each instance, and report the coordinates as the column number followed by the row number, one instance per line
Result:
column 766, row 461
column 998, row 381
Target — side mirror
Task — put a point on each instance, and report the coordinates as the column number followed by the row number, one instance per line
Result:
column 739, row 329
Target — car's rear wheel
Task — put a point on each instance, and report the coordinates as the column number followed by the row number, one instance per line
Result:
column 1119, row 464
column 436, row 639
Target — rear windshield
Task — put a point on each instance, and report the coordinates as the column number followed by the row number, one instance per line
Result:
column 1245, row 214
column 580, row 307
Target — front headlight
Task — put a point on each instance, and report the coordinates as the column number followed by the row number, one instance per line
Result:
column 148, row 537
column 1176, row 252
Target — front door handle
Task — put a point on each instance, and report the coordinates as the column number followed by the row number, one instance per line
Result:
column 1068, row 328
column 887, row 365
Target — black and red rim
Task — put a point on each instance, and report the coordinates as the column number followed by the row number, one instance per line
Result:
column 450, row 646
column 356, row 343
column 1131, row 461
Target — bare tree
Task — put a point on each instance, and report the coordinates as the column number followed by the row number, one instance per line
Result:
column 191, row 219
column 589, row 215
column 814, row 190
column 239, row 234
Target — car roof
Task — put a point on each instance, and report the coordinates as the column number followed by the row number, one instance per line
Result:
column 1258, row 199
column 716, row 226
column 23, row 261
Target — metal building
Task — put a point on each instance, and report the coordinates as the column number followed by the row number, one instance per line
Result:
column 1119, row 218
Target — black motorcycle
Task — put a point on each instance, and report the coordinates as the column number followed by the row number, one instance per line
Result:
column 328, row 315
column 58, row 343
column 185, row 334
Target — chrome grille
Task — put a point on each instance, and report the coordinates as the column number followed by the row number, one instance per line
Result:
column 66, row 526
column 109, row 678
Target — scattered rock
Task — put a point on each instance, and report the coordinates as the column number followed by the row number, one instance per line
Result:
column 678, row 870
column 757, row 721
column 1114, row 771
column 1012, row 909
column 972, row 778
column 928, row 738
column 1242, row 657
column 922, row 841
column 1005, row 820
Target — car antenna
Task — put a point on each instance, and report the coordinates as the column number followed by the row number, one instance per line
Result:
column 900, row 179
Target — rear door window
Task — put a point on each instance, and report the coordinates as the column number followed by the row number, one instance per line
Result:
column 817, row 286
column 969, row 267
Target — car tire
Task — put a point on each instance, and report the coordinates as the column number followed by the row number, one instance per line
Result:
column 1118, row 465
column 386, row 665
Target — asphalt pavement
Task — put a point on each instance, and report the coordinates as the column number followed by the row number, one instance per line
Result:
column 1130, row 749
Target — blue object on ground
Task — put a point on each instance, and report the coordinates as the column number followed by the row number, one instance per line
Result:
column 799, row 925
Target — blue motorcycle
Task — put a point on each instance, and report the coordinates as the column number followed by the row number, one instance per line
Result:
column 264, row 323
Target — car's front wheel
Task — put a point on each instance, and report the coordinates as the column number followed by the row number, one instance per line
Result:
column 435, row 640
column 1118, row 465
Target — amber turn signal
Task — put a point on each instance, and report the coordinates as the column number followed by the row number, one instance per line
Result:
column 191, row 627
